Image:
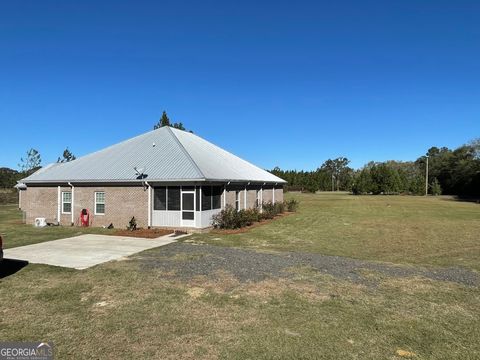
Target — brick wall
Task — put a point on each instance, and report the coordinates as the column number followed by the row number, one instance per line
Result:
column 39, row 202
column 121, row 203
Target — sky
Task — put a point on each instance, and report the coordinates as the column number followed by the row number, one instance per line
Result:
column 278, row 83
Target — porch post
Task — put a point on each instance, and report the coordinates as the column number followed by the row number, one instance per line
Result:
column 224, row 196
column 245, row 198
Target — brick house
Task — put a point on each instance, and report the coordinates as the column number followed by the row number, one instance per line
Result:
column 165, row 178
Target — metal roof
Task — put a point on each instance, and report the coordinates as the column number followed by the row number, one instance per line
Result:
column 165, row 154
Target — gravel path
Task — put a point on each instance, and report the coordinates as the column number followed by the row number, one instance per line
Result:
column 188, row 260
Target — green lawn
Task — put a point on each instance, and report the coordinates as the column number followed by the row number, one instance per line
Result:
column 123, row 309
column 435, row 231
column 18, row 234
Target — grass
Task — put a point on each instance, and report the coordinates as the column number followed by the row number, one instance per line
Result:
column 18, row 234
column 122, row 309
column 433, row 231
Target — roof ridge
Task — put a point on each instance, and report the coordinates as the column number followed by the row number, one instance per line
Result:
column 186, row 152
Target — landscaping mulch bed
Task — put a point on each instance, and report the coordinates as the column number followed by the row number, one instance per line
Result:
column 143, row 233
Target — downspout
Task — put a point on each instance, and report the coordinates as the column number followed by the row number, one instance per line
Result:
column 73, row 203
column 149, row 202
column 273, row 194
column 59, row 203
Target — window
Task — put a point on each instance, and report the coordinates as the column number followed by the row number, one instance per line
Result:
column 173, row 198
column 99, row 203
column 66, row 202
column 237, row 200
column 160, row 198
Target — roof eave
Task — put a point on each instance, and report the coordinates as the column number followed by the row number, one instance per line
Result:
column 140, row 181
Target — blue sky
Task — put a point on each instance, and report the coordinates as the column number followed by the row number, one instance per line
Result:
column 277, row 83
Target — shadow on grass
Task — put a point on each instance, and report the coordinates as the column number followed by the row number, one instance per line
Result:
column 10, row 266
column 472, row 199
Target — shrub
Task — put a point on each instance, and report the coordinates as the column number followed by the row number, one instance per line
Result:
column 291, row 205
column 132, row 224
column 268, row 210
column 279, row 208
column 230, row 218
column 226, row 219
column 436, row 189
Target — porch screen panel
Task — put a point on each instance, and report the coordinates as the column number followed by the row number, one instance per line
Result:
column 160, row 198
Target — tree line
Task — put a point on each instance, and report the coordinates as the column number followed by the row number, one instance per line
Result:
column 450, row 171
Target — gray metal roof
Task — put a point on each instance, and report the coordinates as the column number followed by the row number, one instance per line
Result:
column 165, row 154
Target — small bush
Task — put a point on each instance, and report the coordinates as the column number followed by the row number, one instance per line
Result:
column 132, row 224
column 268, row 210
column 228, row 218
column 279, row 208
column 435, row 187
column 291, row 205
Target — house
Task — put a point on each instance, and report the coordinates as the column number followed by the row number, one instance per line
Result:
column 165, row 178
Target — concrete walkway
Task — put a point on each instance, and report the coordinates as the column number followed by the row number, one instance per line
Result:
column 84, row 251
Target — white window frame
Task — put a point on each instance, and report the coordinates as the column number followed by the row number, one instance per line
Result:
column 95, row 199
column 67, row 202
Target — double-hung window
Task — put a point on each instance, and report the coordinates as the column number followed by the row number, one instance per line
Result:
column 66, row 202
column 99, row 203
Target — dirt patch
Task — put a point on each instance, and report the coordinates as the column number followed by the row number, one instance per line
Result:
column 248, row 228
column 143, row 233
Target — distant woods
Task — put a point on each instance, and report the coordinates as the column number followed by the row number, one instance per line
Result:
column 165, row 121
column 453, row 172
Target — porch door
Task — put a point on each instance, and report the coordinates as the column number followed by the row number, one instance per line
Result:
column 188, row 208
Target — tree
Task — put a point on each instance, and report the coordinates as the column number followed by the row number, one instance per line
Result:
column 67, row 156
column 435, row 187
column 338, row 169
column 179, row 126
column 163, row 121
column 31, row 161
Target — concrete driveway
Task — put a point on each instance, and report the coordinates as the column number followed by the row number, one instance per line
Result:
column 84, row 251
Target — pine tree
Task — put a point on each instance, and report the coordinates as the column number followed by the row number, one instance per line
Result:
column 32, row 161
column 164, row 121
column 67, row 156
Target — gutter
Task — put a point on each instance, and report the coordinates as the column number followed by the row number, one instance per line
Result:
column 137, row 181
